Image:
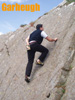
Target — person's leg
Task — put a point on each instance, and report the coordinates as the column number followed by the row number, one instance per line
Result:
column 31, row 55
column 43, row 50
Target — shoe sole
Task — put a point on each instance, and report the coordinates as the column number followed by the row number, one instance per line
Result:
column 28, row 81
column 40, row 64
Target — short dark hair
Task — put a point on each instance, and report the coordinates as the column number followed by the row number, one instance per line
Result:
column 38, row 26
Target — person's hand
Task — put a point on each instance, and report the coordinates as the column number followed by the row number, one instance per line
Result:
column 55, row 39
column 28, row 47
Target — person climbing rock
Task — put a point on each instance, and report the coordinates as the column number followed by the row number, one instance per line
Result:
column 33, row 42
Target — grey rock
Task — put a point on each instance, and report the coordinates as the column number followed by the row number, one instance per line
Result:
column 70, row 85
column 59, row 23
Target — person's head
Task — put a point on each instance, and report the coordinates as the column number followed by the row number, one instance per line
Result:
column 39, row 27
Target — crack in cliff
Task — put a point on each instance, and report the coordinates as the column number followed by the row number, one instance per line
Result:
column 7, row 50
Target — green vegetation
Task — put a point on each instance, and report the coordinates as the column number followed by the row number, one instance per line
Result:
column 45, row 13
column 63, row 90
column 71, row 67
column 69, row 1
column 23, row 25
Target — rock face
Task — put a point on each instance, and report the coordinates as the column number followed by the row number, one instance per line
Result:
column 64, row 1
column 56, row 79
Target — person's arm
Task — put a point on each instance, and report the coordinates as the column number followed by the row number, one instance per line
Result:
column 50, row 39
column 27, row 40
column 27, row 43
column 44, row 35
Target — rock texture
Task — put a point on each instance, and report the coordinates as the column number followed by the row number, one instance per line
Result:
column 56, row 79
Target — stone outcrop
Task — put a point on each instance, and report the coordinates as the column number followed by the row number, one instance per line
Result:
column 56, row 79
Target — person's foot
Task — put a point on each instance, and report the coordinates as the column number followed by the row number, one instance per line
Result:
column 27, row 79
column 38, row 62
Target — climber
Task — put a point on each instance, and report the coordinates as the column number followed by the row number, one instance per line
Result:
column 33, row 43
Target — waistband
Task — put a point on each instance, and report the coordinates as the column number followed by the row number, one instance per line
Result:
column 32, row 42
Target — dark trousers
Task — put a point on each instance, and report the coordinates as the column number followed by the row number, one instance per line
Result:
column 31, row 54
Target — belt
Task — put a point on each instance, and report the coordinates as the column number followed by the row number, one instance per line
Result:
column 32, row 42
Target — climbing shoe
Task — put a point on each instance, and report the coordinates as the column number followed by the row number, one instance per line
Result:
column 27, row 79
column 39, row 63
